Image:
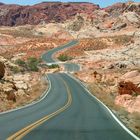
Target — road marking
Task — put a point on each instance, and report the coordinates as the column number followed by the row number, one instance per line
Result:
column 21, row 133
column 109, row 110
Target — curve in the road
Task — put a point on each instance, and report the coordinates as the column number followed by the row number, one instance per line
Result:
column 69, row 113
column 14, row 121
column 18, row 135
column 47, row 56
column 69, row 67
column 85, row 119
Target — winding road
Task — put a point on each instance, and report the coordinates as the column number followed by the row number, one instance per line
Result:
column 69, row 67
column 67, row 112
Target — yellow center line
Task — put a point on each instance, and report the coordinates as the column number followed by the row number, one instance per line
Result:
column 21, row 133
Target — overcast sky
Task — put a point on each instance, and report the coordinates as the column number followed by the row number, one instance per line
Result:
column 102, row 3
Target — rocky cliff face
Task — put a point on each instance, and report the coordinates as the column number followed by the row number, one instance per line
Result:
column 11, row 15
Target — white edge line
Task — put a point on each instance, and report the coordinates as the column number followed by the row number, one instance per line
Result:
column 117, row 120
column 42, row 97
column 45, row 93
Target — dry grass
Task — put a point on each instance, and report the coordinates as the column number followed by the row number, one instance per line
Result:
column 135, row 122
column 122, row 39
column 101, row 94
column 131, row 120
column 33, row 94
column 20, row 32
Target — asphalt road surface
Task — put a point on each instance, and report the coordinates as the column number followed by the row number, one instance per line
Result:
column 84, row 119
column 69, row 67
column 48, row 55
column 68, row 112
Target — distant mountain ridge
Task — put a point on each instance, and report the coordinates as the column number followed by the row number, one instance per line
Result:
column 47, row 12
column 12, row 15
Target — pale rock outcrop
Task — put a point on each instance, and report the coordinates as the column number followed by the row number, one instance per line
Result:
column 21, row 85
column 21, row 77
column 119, row 26
column 133, row 76
column 132, row 17
column 20, row 92
column 22, row 81
column 7, row 62
column 130, row 103
column 8, row 87
column 137, row 34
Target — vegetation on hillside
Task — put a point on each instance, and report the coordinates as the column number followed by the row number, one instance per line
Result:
column 64, row 57
column 31, row 64
column 53, row 66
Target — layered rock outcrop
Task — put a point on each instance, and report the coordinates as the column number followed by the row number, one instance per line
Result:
column 119, row 8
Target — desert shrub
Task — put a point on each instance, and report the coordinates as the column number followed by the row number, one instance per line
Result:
column 20, row 62
column 53, row 66
column 64, row 57
column 15, row 69
column 32, row 64
column 122, row 39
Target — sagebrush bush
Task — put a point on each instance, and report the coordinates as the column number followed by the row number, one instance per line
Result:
column 64, row 57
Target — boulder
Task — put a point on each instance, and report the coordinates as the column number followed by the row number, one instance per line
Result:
column 21, row 92
column 137, row 34
column 133, row 76
column 119, row 26
column 21, row 85
column 130, row 74
column 2, row 70
column 8, row 87
column 128, row 88
column 11, row 96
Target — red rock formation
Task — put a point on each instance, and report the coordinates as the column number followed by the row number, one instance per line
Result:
column 11, row 15
column 128, row 88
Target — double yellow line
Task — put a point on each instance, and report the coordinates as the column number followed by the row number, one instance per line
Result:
column 21, row 133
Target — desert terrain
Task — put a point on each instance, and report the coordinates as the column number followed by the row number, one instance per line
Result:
column 108, row 52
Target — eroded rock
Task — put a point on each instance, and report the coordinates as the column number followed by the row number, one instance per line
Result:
column 2, row 70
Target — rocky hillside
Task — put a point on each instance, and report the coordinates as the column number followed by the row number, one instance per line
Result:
column 120, row 8
column 46, row 12
column 17, row 88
